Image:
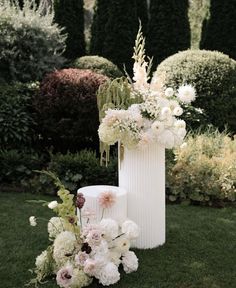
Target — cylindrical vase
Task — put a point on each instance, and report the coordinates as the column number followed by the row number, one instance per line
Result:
column 117, row 212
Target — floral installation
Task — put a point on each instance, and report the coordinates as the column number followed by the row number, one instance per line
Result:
column 80, row 250
column 153, row 116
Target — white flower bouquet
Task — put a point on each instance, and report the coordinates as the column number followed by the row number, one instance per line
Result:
column 81, row 250
column 153, row 114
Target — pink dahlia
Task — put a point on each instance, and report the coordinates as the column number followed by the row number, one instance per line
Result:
column 107, row 199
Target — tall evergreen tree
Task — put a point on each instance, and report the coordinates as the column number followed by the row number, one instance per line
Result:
column 98, row 27
column 168, row 29
column 219, row 32
column 121, row 29
column 69, row 14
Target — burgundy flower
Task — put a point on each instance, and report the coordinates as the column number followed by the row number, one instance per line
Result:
column 80, row 200
column 86, row 248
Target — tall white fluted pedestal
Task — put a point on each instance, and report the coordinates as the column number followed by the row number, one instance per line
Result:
column 142, row 174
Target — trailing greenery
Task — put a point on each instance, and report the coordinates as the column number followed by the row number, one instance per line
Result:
column 204, row 169
column 219, row 30
column 31, row 44
column 213, row 74
column 99, row 65
column 69, row 14
column 199, row 250
column 17, row 124
column 114, row 94
column 67, row 109
column 168, row 29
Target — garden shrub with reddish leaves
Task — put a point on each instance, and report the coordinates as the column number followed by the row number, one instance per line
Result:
column 67, row 109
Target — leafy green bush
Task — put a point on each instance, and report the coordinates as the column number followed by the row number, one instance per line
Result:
column 67, row 109
column 31, row 44
column 16, row 115
column 75, row 171
column 17, row 166
column 214, row 76
column 204, row 169
column 99, row 65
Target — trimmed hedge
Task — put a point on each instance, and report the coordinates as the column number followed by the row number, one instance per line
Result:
column 213, row 74
column 17, row 123
column 99, row 65
column 67, row 109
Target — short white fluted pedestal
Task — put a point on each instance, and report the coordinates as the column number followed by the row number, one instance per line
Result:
column 118, row 211
column 142, row 174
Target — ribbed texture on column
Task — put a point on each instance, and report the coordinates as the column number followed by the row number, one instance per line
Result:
column 118, row 211
column 142, row 174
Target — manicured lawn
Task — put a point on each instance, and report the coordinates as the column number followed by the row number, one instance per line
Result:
column 200, row 251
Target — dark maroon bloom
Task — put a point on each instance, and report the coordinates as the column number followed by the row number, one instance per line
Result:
column 86, row 248
column 80, row 200
column 71, row 220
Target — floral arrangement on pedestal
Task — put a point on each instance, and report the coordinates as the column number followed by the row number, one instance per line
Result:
column 140, row 112
column 82, row 249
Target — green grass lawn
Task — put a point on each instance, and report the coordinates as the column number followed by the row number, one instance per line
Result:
column 200, row 251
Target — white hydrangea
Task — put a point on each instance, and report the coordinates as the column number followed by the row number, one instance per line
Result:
column 110, row 228
column 167, row 139
column 109, row 274
column 80, row 279
column 107, row 134
column 130, row 229
column 55, row 226
column 186, row 94
column 130, row 262
column 41, row 261
column 64, row 245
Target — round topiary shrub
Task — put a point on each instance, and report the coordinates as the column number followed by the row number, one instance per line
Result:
column 31, row 43
column 213, row 74
column 98, row 64
column 67, row 109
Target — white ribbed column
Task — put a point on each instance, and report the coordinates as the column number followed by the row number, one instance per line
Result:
column 142, row 174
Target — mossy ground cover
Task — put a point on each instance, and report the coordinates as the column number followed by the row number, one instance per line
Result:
column 199, row 251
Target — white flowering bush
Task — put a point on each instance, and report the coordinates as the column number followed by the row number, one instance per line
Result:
column 31, row 43
column 82, row 249
column 153, row 116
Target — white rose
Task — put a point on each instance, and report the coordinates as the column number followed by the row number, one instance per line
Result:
column 157, row 127
column 52, row 205
column 32, row 220
column 110, row 228
column 178, row 111
column 169, row 92
column 130, row 229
